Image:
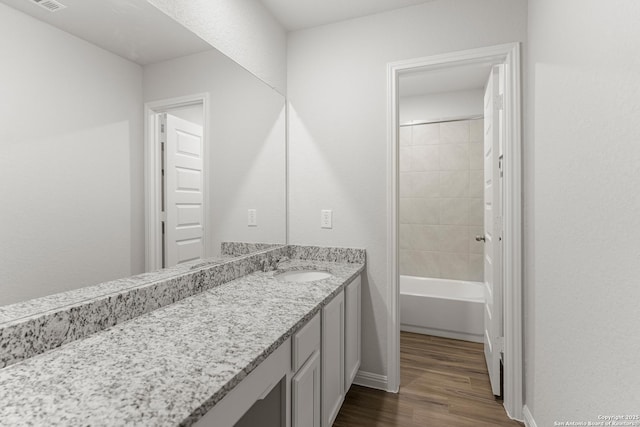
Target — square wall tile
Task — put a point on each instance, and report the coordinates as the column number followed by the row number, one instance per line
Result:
column 454, row 266
column 454, row 157
column 409, row 263
column 405, row 159
column 454, row 132
column 476, row 212
column 411, row 241
column 406, row 133
column 426, row 134
column 419, row 263
column 426, row 211
column 425, row 184
column 476, row 267
column 406, row 184
column 424, row 158
column 442, row 200
column 454, row 184
column 476, row 131
column 476, row 183
column 405, row 233
column 423, row 237
column 453, row 238
column 454, row 211
column 406, row 208
column 429, row 265
column 476, row 156
column 476, row 247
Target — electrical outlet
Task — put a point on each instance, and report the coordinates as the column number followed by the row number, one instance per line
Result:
column 326, row 218
column 252, row 218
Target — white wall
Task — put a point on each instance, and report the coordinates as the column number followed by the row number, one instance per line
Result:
column 244, row 30
column 70, row 161
column 584, row 170
column 336, row 84
column 246, row 141
column 439, row 106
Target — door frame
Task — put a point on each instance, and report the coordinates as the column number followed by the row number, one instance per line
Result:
column 152, row 179
column 508, row 54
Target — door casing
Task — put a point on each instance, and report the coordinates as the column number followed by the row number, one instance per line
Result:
column 509, row 55
column 152, row 175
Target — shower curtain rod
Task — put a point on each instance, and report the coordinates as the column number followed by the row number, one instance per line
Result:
column 453, row 119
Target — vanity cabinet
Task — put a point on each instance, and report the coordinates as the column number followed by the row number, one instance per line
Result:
column 306, row 378
column 352, row 338
column 262, row 395
column 305, row 384
column 305, row 388
column 332, row 356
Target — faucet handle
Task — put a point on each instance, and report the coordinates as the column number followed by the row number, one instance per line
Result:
column 276, row 262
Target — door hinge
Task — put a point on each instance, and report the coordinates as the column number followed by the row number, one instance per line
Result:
column 500, row 164
column 499, row 344
column 499, row 102
column 162, row 128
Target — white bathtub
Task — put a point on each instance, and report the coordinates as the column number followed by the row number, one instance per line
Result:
column 444, row 308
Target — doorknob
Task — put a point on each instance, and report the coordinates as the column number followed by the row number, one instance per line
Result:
column 480, row 239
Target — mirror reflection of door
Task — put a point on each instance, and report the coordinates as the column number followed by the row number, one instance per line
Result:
column 182, row 188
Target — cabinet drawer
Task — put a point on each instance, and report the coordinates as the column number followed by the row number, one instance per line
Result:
column 305, row 342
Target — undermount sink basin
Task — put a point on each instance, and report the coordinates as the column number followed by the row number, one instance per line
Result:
column 303, row 275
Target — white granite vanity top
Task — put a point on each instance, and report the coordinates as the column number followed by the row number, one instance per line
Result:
column 170, row 366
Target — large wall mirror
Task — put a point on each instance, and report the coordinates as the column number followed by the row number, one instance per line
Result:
column 112, row 113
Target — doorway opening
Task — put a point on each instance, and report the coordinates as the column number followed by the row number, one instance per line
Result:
column 497, row 254
column 176, row 176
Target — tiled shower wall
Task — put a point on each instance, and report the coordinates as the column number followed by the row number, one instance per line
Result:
column 441, row 200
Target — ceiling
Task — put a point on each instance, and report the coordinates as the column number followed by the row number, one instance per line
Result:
column 468, row 77
column 299, row 14
column 140, row 32
column 133, row 29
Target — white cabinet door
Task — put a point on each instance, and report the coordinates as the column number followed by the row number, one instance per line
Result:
column 352, row 331
column 305, row 389
column 332, row 359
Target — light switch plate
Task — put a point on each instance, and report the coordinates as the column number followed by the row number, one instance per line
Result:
column 326, row 218
column 252, row 218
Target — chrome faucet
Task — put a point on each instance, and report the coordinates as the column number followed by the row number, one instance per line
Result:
column 277, row 262
column 269, row 263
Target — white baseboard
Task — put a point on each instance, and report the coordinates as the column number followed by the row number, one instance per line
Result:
column 528, row 418
column 371, row 380
column 442, row 333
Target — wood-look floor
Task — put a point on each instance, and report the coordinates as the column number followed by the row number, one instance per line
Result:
column 444, row 383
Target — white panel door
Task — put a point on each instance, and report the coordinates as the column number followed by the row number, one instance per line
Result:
column 493, row 334
column 183, row 194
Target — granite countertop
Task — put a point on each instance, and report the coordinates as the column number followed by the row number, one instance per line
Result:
column 18, row 311
column 170, row 366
